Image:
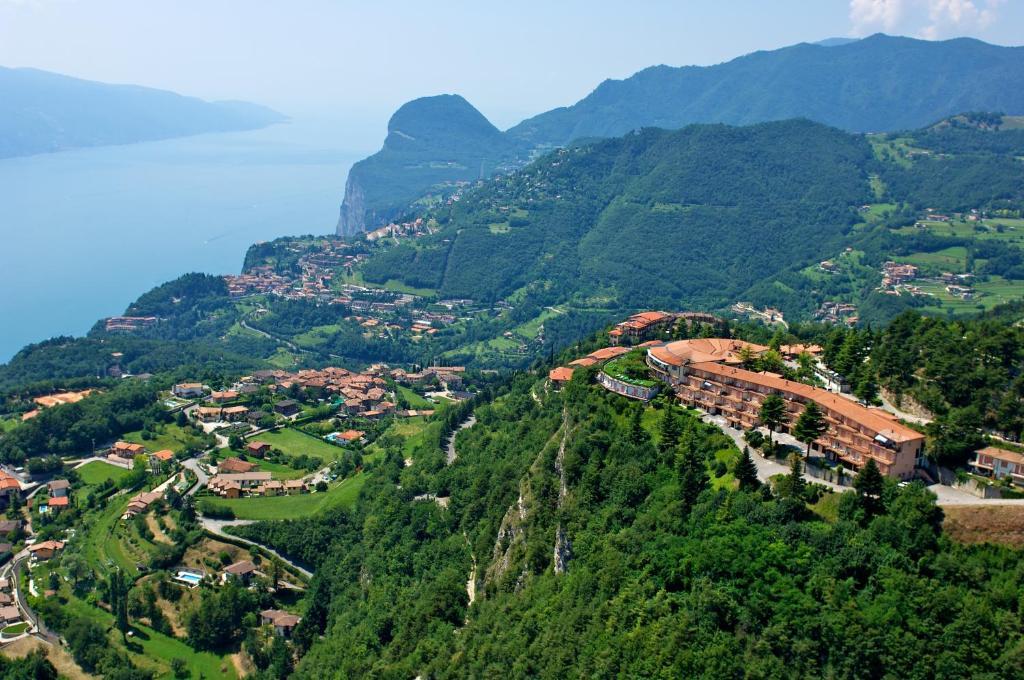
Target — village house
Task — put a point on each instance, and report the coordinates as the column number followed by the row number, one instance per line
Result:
column 188, row 390
column 46, row 550
column 559, row 377
column 9, row 527
column 223, row 397
column 283, row 622
column 231, row 485
column 233, row 465
column 287, row 407
column 127, row 450
column 207, row 414
column 640, row 327
column 58, row 503
column 993, row 461
column 140, row 502
column 163, row 456
column 257, row 448
column 58, row 487
column 240, row 571
column 9, row 615
column 271, row 488
column 234, row 414
column 294, row 486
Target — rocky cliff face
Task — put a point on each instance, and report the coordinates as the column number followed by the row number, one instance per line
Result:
column 352, row 219
column 431, row 141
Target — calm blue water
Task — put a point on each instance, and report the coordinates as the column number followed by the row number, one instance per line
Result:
column 86, row 232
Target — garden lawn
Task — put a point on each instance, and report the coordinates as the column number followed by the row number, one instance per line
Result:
column 296, row 443
column 97, row 472
column 342, row 494
column 414, row 400
column 170, row 437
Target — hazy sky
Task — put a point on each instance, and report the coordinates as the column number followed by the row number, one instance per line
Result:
column 360, row 60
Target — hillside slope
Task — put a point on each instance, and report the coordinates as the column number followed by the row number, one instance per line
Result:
column 648, row 219
column 596, row 550
column 880, row 83
column 42, row 112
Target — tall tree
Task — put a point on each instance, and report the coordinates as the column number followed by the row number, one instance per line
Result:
column 746, row 472
column 870, row 484
column 810, row 425
column 670, row 430
column 772, row 414
column 637, row 434
column 693, row 474
column 795, row 485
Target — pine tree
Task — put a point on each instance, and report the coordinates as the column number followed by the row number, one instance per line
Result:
column 870, row 484
column 693, row 475
column 670, row 430
column 746, row 472
column 795, row 481
column 810, row 425
column 637, row 433
column 772, row 414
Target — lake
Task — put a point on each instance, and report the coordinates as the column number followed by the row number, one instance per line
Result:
column 86, row 232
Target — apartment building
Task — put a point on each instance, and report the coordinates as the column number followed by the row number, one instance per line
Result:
column 855, row 433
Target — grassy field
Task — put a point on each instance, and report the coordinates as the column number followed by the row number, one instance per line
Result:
column 413, row 432
column 948, row 259
column 277, row 470
column 282, row 359
column 316, row 336
column 295, row 443
column 153, row 650
column 342, row 494
column 1002, row 524
column 1012, row 230
column 170, row 437
column 988, row 294
column 393, row 285
column 415, row 401
column 8, row 424
column 101, row 538
column 95, row 473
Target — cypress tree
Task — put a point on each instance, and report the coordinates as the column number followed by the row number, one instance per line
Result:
column 670, row 430
column 746, row 472
column 810, row 425
column 870, row 484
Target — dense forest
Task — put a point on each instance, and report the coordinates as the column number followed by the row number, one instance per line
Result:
column 602, row 544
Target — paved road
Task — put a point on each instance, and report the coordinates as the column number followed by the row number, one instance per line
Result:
column 450, row 448
column 217, row 526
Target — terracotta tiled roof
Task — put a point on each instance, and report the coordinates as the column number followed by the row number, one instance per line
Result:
column 870, row 418
column 560, row 374
column 1001, row 454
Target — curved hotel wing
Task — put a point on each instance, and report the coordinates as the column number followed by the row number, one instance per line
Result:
column 705, row 374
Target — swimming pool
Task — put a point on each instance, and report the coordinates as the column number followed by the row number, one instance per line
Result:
column 189, row 577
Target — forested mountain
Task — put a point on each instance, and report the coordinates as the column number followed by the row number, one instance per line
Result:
column 650, row 218
column 41, row 112
column 880, row 83
column 601, row 544
column 877, row 84
column 430, row 141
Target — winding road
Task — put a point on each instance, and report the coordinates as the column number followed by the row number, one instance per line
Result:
column 218, row 526
column 450, row 448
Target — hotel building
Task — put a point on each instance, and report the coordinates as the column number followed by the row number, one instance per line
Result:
column 706, row 374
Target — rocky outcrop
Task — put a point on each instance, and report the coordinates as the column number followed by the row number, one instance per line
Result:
column 352, row 219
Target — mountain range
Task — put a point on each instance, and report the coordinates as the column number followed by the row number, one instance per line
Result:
column 879, row 83
column 43, row 112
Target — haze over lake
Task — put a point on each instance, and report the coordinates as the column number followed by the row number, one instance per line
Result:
column 85, row 232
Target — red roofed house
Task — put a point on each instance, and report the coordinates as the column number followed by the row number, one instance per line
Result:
column 999, row 463
column 559, row 376
column 232, row 465
column 127, row 449
column 258, row 449
column 46, row 550
column 640, row 327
